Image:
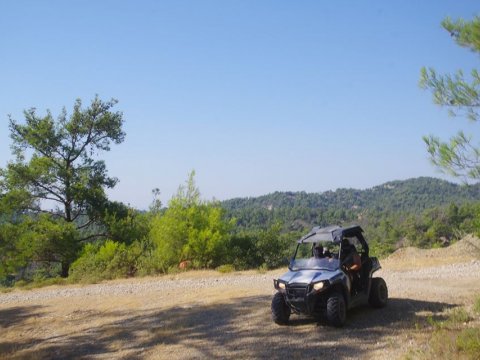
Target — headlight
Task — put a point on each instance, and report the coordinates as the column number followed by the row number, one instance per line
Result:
column 279, row 285
column 319, row 286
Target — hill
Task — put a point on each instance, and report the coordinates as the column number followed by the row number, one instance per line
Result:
column 410, row 196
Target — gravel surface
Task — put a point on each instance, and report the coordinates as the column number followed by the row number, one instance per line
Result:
column 116, row 289
column 470, row 269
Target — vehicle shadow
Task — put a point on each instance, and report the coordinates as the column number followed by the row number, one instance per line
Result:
column 238, row 328
column 397, row 312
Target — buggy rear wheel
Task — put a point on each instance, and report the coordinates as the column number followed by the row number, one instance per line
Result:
column 280, row 310
column 378, row 293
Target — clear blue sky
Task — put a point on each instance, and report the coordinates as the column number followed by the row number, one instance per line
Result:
column 256, row 96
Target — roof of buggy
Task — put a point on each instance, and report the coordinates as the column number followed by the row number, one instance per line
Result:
column 332, row 233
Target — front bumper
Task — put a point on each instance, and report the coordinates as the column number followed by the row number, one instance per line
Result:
column 304, row 298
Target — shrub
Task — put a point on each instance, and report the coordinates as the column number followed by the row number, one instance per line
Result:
column 458, row 316
column 262, row 269
column 227, row 268
column 452, row 337
column 272, row 246
column 108, row 261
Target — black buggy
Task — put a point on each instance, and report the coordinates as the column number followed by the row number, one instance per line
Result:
column 330, row 273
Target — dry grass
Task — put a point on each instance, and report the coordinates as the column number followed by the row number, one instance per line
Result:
column 455, row 334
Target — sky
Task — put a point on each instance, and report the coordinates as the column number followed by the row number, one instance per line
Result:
column 255, row 96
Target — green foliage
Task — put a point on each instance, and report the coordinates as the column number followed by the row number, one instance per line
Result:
column 421, row 212
column 440, row 226
column 55, row 174
column 452, row 337
column 108, row 261
column 61, row 168
column 300, row 210
column 461, row 95
column 124, row 224
column 262, row 269
column 225, row 269
column 458, row 316
column 468, row 342
column 272, row 247
column 32, row 241
column 242, row 252
column 40, row 282
column 190, row 229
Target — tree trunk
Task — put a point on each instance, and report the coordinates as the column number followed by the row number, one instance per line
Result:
column 65, row 268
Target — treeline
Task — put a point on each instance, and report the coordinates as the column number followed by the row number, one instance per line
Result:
column 435, row 227
column 201, row 235
column 421, row 212
column 410, row 196
column 190, row 231
column 386, row 230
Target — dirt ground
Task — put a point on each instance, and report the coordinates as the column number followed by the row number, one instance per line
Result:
column 200, row 315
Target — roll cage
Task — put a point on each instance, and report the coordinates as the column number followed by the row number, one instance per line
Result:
column 336, row 235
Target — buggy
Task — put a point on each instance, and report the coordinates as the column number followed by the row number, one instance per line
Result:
column 330, row 273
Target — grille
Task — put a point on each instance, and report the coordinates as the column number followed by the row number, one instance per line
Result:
column 295, row 291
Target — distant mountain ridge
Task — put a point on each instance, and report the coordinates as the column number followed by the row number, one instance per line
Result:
column 411, row 196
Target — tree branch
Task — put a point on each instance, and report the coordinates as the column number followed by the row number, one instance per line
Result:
column 92, row 237
column 89, row 222
column 48, row 190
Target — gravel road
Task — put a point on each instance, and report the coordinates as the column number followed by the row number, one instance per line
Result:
column 210, row 315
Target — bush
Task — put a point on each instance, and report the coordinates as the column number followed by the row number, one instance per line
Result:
column 109, row 261
column 458, row 316
column 262, row 269
column 241, row 251
column 273, row 247
column 227, row 268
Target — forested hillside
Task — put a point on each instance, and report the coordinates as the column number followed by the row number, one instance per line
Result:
column 412, row 195
column 301, row 209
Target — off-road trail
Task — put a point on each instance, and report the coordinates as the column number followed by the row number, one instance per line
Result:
column 207, row 315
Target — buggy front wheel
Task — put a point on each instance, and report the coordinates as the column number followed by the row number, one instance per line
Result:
column 280, row 310
column 336, row 309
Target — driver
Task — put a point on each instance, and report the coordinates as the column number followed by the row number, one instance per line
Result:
column 350, row 257
column 318, row 251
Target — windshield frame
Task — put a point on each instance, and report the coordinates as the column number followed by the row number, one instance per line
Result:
column 331, row 263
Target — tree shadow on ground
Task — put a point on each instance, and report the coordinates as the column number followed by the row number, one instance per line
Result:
column 11, row 317
column 240, row 328
column 16, row 315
